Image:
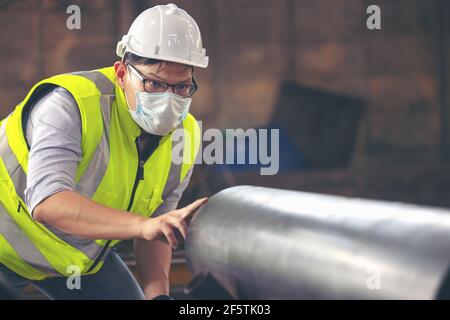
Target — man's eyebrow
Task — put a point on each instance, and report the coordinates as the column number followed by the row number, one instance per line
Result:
column 163, row 80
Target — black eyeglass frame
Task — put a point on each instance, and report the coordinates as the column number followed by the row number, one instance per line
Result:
column 165, row 85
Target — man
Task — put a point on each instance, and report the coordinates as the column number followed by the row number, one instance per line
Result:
column 88, row 159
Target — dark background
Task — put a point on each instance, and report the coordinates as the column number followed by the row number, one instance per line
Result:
column 401, row 145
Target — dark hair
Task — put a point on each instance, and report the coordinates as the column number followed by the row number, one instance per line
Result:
column 134, row 59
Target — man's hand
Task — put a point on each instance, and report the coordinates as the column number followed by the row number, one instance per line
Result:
column 167, row 226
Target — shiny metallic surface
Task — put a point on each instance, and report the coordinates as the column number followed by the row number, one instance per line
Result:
column 264, row 243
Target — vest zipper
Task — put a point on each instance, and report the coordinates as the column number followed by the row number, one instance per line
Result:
column 139, row 177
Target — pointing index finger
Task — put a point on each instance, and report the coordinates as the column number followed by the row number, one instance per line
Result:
column 190, row 209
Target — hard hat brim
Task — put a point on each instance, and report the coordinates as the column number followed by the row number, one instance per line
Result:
column 200, row 64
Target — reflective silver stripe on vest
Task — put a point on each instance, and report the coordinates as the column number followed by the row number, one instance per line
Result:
column 13, row 167
column 103, row 84
column 106, row 105
column 22, row 245
column 96, row 169
column 89, row 247
column 8, row 228
column 173, row 179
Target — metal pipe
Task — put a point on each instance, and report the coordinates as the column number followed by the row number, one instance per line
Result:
column 264, row 243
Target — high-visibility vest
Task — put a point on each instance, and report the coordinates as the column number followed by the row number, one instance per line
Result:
column 108, row 174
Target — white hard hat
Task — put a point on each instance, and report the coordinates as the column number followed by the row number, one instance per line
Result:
column 165, row 32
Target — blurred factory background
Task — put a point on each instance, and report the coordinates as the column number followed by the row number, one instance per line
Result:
column 361, row 112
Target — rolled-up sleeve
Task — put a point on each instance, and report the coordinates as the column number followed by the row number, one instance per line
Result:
column 54, row 135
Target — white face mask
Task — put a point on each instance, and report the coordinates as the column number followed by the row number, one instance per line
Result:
column 159, row 113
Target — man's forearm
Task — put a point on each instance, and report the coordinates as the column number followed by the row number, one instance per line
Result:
column 153, row 261
column 75, row 214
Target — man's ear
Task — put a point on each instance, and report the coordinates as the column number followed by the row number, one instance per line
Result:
column 120, row 70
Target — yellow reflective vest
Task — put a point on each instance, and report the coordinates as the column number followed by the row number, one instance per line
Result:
column 109, row 173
